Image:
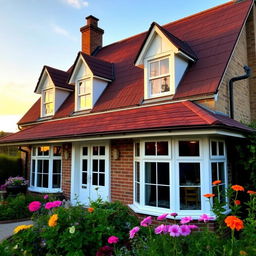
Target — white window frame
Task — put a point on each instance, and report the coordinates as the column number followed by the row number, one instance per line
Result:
column 44, row 102
column 50, row 158
column 78, row 95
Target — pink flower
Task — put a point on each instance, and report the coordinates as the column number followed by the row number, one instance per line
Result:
column 185, row 230
column 160, row 229
column 46, row 197
column 147, row 221
column 113, row 240
column 34, row 206
column 174, row 230
column 162, row 217
column 193, row 227
column 166, row 229
column 205, row 218
column 133, row 232
column 49, row 205
column 185, row 220
column 57, row 203
column 174, row 214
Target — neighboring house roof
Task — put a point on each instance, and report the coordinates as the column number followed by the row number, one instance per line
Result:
column 172, row 116
column 211, row 35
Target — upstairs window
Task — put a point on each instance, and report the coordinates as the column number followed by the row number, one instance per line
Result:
column 159, row 77
column 48, row 96
column 84, row 97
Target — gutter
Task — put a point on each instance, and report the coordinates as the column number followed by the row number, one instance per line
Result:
column 26, row 161
column 230, row 87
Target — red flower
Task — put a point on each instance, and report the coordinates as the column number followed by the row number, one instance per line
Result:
column 237, row 202
column 251, row 192
column 234, row 223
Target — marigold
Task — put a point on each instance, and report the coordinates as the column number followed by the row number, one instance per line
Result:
column 251, row 192
column 209, row 195
column 53, row 220
column 237, row 188
column 234, row 223
column 21, row 227
column 90, row 209
column 237, row 202
column 216, row 182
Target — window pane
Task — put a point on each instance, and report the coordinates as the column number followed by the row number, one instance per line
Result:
column 190, row 198
column 57, row 151
column 33, row 179
column 39, row 166
column 150, row 173
column 45, row 180
column 34, row 151
column 214, row 172
column 150, row 195
column 189, row 174
column 95, row 179
column 102, row 179
column 189, row 148
column 160, row 85
column 214, row 148
column 81, row 88
column 137, row 192
column 102, row 150
column 221, row 172
column 84, row 168
column 95, row 165
column 85, row 101
column 48, row 96
column 39, row 180
column 137, row 149
column 33, row 172
column 163, row 173
column 48, row 108
column 102, row 166
column 95, row 151
column 56, row 181
column 45, row 166
column 56, row 166
column 150, row 148
column 43, row 151
column 162, row 148
column 221, row 148
column 137, row 171
column 154, row 69
column 163, row 196
column 84, row 178
column 85, row 151
column 164, row 66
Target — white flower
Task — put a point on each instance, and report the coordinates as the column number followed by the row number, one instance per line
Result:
column 72, row 230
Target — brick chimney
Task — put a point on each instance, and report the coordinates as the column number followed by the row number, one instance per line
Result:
column 91, row 35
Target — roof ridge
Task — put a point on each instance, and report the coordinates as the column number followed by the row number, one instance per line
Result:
column 205, row 115
column 46, row 66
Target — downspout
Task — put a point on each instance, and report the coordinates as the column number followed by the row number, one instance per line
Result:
column 230, row 87
column 26, row 161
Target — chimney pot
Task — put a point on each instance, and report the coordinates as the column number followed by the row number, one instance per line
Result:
column 91, row 20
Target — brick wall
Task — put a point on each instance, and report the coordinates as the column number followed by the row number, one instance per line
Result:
column 66, row 169
column 122, row 172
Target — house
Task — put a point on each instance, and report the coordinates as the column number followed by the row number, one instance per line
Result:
column 150, row 120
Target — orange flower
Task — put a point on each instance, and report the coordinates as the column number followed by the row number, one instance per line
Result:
column 251, row 192
column 90, row 209
column 216, row 182
column 237, row 188
column 243, row 253
column 237, row 202
column 209, row 195
column 234, row 223
column 52, row 222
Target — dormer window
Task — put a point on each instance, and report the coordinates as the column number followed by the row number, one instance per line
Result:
column 159, row 77
column 48, row 107
column 84, row 95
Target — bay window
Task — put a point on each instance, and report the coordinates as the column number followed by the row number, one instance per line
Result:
column 46, row 166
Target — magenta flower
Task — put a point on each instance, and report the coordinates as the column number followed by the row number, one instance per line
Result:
column 174, row 214
column 49, row 205
column 46, row 197
column 113, row 240
column 147, row 221
column 185, row 230
column 162, row 217
column 205, row 218
column 57, row 203
column 166, row 229
column 193, row 227
column 160, row 229
column 133, row 232
column 34, row 206
column 174, row 230
column 185, row 220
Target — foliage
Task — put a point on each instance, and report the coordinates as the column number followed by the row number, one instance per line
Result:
column 16, row 181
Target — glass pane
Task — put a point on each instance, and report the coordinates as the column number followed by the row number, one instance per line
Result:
column 85, row 101
column 162, row 148
column 56, row 181
column 150, row 173
column 33, row 179
column 85, row 151
column 222, row 194
column 33, row 165
column 189, row 148
column 189, row 174
column 214, row 172
column 164, row 66
column 56, row 166
column 48, row 96
column 81, row 87
column 163, row 173
column 57, row 150
column 102, row 151
column 150, row 148
column 150, row 195
column 45, row 166
column 43, row 151
column 137, row 149
column 95, row 165
column 190, row 198
column 34, row 151
column 137, row 192
column 39, row 166
column 95, row 179
column 39, row 180
column 84, row 178
column 48, row 108
column 95, row 151
column 163, row 197
column 221, row 172
column 102, row 179
column 45, row 180
column 84, row 168
column 102, row 166
column 154, row 69
column 137, row 171
column 221, row 148
column 214, row 148
column 160, row 85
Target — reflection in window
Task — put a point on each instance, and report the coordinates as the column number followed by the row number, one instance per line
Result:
column 189, row 148
column 159, row 148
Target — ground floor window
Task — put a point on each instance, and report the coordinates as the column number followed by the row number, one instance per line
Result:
column 46, row 167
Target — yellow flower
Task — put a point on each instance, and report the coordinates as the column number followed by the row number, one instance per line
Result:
column 243, row 253
column 21, row 227
column 53, row 220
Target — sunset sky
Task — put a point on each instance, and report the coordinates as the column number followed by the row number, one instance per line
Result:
column 34, row 33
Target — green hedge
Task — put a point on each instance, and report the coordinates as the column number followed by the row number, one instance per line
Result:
column 9, row 166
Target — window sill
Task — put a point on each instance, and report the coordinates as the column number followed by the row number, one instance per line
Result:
column 45, row 190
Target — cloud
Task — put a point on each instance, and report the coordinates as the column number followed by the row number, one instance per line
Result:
column 77, row 3
column 61, row 31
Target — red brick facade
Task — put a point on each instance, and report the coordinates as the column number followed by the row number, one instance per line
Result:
column 66, row 169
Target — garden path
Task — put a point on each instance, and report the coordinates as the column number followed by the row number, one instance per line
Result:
column 6, row 230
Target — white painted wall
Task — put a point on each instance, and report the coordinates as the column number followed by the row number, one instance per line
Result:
column 98, row 88
column 180, row 66
column 60, row 97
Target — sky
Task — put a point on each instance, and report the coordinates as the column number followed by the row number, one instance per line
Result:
column 34, row 33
